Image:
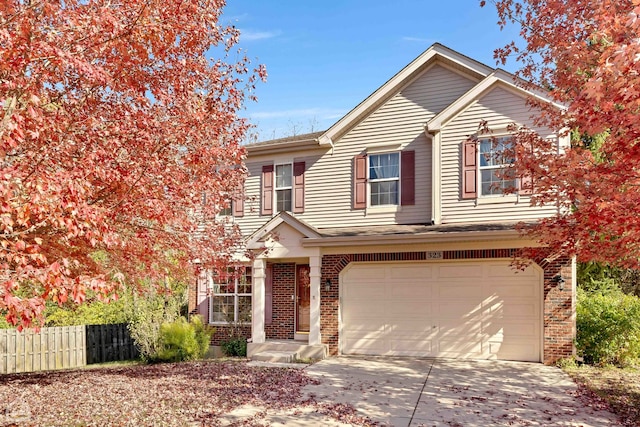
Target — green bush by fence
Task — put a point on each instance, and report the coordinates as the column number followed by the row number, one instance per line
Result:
column 608, row 325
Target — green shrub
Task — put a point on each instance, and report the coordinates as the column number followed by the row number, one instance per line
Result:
column 203, row 335
column 148, row 314
column 92, row 313
column 235, row 346
column 608, row 327
column 182, row 340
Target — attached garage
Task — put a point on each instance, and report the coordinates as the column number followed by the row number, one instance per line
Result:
column 462, row 309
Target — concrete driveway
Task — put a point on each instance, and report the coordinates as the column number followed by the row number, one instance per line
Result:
column 450, row 392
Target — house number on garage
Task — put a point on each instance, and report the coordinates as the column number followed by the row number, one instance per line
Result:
column 434, row 254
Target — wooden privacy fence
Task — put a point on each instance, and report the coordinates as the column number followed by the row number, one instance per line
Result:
column 51, row 348
column 64, row 347
column 108, row 343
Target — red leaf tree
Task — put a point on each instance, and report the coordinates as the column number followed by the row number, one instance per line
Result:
column 114, row 123
column 587, row 54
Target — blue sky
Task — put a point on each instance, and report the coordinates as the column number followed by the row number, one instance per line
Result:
column 323, row 58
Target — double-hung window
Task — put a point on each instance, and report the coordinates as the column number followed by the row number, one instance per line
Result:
column 284, row 187
column 231, row 296
column 495, row 160
column 384, row 179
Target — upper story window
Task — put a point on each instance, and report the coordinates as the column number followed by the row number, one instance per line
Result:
column 283, row 187
column 486, row 169
column 384, row 179
column 494, row 161
column 227, row 211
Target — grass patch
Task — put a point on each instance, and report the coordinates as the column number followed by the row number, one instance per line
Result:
column 619, row 387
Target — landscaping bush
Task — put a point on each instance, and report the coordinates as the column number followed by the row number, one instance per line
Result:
column 608, row 326
column 182, row 340
column 235, row 346
column 147, row 315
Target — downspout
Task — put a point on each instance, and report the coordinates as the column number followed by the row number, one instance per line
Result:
column 436, row 174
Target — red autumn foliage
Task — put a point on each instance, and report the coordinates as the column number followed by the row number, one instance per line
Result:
column 587, row 54
column 114, row 122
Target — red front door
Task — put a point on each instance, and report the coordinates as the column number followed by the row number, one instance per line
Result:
column 303, row 282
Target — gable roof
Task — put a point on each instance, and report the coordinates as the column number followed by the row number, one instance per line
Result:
column 253, row 241
column 400, row 80
column 487, row 78
column 497, row 77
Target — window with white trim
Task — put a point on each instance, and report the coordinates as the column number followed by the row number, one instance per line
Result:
column 227, row 210
column 495, row 178
column 284, row 186
column 231, row 296
column 384, row 179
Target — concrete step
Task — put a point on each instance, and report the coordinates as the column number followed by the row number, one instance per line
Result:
column 302, row 350
column 275, row 356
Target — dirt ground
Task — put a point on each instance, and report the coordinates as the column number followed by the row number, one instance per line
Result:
column 619, row 388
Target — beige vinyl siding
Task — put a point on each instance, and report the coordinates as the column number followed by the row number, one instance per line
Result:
column 499, row 107
column 400, row 123
column 328, row 179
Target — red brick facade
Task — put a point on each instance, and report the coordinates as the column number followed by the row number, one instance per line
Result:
column 558, row 326
column 558, row 304
column 283, row 306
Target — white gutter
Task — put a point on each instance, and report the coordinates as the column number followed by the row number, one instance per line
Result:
column 436, row 174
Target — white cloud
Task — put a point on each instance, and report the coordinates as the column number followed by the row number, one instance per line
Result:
column 251, row 35
column 418, row 39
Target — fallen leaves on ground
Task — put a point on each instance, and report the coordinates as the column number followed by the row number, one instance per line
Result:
column 175, row 394
column 616, row 388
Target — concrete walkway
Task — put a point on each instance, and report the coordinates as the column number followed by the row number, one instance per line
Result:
column 449, row 392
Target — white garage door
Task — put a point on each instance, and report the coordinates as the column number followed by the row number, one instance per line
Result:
column 479, row 310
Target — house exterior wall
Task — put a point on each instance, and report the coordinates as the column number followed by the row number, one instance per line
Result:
column 500, row 108
column 558, row 305
column 283, row 306
column 328, row 178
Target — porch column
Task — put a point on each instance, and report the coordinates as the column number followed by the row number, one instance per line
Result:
column 257, row 301
column 314, row 316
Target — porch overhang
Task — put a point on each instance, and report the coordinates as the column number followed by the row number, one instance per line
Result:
column 417, row 234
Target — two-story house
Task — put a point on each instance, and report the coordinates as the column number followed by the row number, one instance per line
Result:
column 389, row 234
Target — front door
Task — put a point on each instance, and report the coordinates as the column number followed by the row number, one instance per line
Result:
column 303, row 282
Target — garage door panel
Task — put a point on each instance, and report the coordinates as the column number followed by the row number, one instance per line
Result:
column 409, row 347
column 512, row 330
column 457, row 271
column 468, row 309
column 466, row 290
column 407, row 328
column 410, row 291
column 412, row 309
column 372, row 309
column 362, row 345
column 506, row 270
column 452, row 328
column 461, row 347
column 512, row 289
column 372, row 272
column 522, row 350
column 410, row 272
column 363, row 290
column 457, row 309
column 513, row 310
